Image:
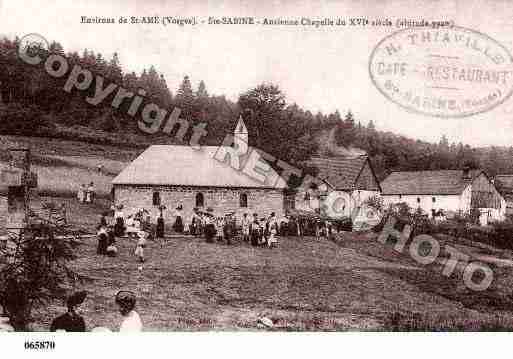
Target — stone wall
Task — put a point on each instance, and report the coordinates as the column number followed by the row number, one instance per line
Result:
column 222, row 200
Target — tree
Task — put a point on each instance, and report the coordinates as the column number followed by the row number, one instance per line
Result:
column 114, row 72
column 185, row 98
column 262, row 107
column 349, row 119
column 371, row 126
column 34, row 270
column 202, row 90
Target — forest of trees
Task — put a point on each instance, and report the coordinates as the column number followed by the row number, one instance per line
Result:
column 34, row 103
column 391, row 152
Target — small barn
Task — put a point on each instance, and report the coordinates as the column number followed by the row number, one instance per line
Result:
column 172, row 175
column 451, row 191
column 347, row 183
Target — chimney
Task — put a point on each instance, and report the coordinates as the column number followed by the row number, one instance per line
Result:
column 466, row 172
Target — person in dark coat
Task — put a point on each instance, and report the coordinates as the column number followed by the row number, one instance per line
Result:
column 210, row 228
column 119, row 227
column 160, row 227
column 292, row 227
column 71, row 321
column 229, row 228
column 103, row 241
column 255, row 230
column 103, row 219
column 178, row 226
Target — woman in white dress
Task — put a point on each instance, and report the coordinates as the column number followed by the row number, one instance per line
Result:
column 131, row 319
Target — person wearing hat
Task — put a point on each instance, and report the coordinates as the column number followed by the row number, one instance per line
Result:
column 229, row 227
column 119, row 220
column 159, row 232
column 255, row 230
column 245, row 227
column 141, row 243
column 71, row 321
column 210, row 228
column 131, row 319
column 178, row 226
column 272, row 225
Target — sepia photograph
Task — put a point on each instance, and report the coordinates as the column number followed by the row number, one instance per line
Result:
column 212, row 168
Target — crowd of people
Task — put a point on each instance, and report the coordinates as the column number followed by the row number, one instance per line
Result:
column 86, row 193
column 254, row 229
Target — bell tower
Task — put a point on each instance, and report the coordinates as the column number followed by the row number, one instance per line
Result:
column 240, row 136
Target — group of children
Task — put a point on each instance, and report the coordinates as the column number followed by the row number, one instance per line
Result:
column 136, row 227
column 85, row 194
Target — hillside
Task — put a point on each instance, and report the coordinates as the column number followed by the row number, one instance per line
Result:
column 63, row 165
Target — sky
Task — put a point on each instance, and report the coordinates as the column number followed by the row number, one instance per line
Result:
column 321, row 69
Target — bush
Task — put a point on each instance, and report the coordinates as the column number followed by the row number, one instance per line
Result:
column 343, row 224
column 435, row 322
column 404, row 215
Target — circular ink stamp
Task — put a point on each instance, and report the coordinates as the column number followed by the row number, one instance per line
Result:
column 445, row 72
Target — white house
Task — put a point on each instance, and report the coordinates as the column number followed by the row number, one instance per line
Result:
column 451, row 191
column 504, row 184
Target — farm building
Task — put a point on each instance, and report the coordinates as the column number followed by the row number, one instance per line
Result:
column 201, row 177
column 347, row 183
column 451, row 191
column 504, row 184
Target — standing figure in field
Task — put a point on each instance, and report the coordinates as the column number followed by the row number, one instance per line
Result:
column 131, row 319
column 229, row 228
column 193, row 223
column 178, row 226
column 283, row 226
column 71, row 321
column 245, row 223
column 254, row 230
column 200, row 228
column 119, row 222
column 272, row 225
column 209, row 226
column 112, row 250
column 219, row 228
column 90, row 193
column 264, row 231
column 81, row 193
column 159, row 233
column 103, row 219
column 103, row 241
column 139, row 248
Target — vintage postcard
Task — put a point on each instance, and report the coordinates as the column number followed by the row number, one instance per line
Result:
column 276, row 166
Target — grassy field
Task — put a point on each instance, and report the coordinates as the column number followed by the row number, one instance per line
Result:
column 305, row 284
column 351, row 283
column 62, row 166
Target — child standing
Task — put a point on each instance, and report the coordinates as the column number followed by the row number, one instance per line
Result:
column 245, row 227
column 141, row 243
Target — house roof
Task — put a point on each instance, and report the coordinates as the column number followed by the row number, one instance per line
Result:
column 187, row 166
column 504, row 183
column 428, row 182
column 339, row 172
